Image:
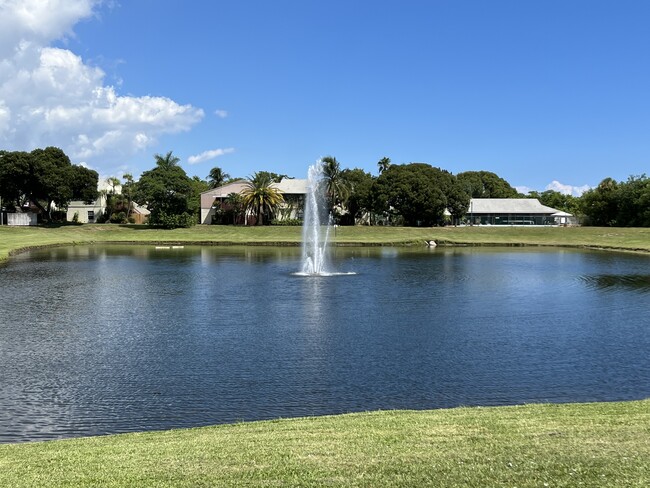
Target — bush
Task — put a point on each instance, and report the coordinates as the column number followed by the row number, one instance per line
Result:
column 59, row 216
column 287, row 222
column 169, row 221
column 118, row 218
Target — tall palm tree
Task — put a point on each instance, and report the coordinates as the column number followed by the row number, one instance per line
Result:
column 113, row 183
column 167, row 161
column 383, row 164
column 336, row 186
column 217, row 177
column 260, row 196
column 127, row 190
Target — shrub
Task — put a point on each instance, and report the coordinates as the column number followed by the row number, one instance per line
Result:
column 287, row 222
column 118, row 218
column 169, row 221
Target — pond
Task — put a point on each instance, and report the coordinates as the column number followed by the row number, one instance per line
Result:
column 107, row 339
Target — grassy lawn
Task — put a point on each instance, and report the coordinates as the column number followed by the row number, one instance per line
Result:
column 595, row 445
column 15, row 238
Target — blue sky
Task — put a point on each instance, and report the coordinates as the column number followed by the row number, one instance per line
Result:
column 535, row 91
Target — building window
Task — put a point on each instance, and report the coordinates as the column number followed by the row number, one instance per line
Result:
column 91, row 215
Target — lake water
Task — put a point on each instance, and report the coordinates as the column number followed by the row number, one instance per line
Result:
column 108, row 339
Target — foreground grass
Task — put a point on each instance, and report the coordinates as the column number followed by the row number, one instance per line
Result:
column 637, row 239
column 596, row 445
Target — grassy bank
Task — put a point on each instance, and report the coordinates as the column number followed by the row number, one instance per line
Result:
column 595, row 445
column 16, row 238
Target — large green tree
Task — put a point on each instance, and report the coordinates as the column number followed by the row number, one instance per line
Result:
column 600, row 204
column 15, row 178
column 555, row 199
column 417, row 192
column 46, row 178
column 359, row 203
column 167, row 192
column 261, row 197
column 485, row 184
column 634, row 202
column 621, row 204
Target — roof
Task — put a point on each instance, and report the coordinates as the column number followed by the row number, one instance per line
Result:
column 509, row 206
column 289, row 186
column 140, row 209
column 224, row 190
column 293, row 186
column 286, row 186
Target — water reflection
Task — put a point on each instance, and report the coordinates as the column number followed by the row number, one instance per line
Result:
column 118, row 338
column 640, row 283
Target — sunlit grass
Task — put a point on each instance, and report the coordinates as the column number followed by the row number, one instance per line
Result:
column 594, row 445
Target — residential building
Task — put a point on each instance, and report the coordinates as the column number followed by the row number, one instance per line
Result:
column 293, row 190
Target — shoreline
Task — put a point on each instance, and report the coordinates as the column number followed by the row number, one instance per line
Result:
column 439, row 243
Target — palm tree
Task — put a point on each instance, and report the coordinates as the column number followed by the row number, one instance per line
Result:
column 113, row 183
column 217, row 177
column 235, row 207
column 260, row 196
column 336, row 187
column 127, row 190
column 167, row 161
column 383, row 164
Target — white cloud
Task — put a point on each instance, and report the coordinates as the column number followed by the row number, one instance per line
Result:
column 524, row 190
column 49, row 96
column 222, row 114
column 208, row 155
column 576, row 191
column 39, row 21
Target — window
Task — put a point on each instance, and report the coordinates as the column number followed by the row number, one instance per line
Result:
column 91, row 215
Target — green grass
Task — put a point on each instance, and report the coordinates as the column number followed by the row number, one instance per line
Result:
column 593, row 445
column 637, row 239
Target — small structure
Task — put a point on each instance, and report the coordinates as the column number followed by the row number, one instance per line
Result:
column 293, row 190
column 21, row 218
column 513, row 211
column 139, row 214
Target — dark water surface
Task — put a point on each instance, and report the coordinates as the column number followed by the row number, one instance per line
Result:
column 109, row 339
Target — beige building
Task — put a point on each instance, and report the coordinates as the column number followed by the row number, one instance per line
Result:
column 294, row 191
column 88, row 213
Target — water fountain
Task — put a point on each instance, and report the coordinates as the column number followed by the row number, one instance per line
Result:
column 316, row 225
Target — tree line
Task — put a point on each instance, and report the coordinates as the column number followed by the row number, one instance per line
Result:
column 44, row 178
column 413, row 194
column 418, row 194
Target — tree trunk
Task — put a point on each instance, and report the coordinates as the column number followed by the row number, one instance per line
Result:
column 41, row 208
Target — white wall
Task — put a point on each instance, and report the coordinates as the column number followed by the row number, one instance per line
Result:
column 26, row 218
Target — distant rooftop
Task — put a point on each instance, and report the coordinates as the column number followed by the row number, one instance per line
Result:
column 509, row 206
column 289, row 186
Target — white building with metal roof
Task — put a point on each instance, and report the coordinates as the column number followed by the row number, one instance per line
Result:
column 514, row 211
